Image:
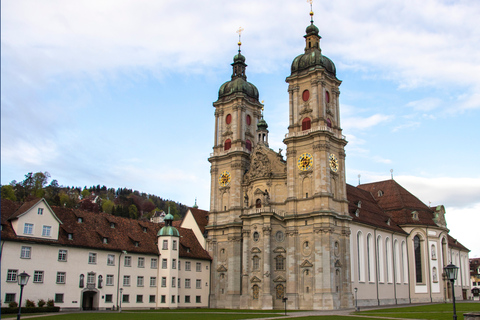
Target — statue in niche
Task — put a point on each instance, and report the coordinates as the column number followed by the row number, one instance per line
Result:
column 266, row 200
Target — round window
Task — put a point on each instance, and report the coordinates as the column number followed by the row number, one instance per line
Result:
column 306, row 95
column 229, row 118
column 256, row 236
column 279, row 236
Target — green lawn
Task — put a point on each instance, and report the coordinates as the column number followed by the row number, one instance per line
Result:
column 442, row 311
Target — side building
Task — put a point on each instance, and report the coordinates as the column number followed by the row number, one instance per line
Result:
column 96, row 261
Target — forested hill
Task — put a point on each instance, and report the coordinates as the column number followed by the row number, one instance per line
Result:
column 120, row 202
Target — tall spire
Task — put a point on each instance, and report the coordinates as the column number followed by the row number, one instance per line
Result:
column 239, row 60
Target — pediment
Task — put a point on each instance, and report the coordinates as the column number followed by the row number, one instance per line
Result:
column 222, row 269
column 265, row 163
column 255, row 279
column 338, row 264
column 258, row 191
column 306, row 264
column 256, row 250
column 279, row 250
column 279, row 279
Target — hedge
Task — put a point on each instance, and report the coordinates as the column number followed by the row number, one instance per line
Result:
column 30, row 310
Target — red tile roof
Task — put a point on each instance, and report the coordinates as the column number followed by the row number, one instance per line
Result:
column 201, row 217
column 96, row 226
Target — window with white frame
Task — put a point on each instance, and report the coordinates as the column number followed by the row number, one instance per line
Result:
column 174, row 282
column 187, row 299
column 61, row 276
column 28, row 228
column 26, row 252
column 91, row 278
column 109, row 298
column 40, row 211
column 154, row 263
column 199, row 266
column 110, row 260
column 139, row 298
column 165, row 245
column 12, row 275
column 153, row 281
column 198, row 299
column 164, row 282
column 38, row 276
column 199, row 284
column 174, row 263
column 92, row 258
column 187, row 283
column 127, row 261
column 126, row 281
column 164, row 264
column 188, row 266
column 46, row 231
column 174, row 245
column 140, row 281
column 141, row 262
column 109, row 281
column 126, row 298
column 179, row 264
column 62, row 255
column 152, row 298
column 179, row 283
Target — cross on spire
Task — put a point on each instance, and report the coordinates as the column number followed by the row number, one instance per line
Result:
column 239, row 31
column 311, row 10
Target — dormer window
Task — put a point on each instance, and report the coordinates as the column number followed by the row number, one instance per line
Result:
column 380, row 193
column 136, row 243
column 388, row 221
column 112, row 225
column 415, row 215
column 144, row 229
column 80, row 220
column 357, row 212
column 359, row 204
column 105, row 240
column 40, row 211
column 70, row 236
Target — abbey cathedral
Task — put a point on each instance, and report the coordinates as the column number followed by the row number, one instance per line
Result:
column 291, row 227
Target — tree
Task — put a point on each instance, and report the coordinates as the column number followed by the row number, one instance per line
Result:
column 85, row 193
column 8, row 193
column 107, row 206
column 133, row 211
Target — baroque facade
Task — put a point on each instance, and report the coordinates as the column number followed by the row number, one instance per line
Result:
column 292, row 227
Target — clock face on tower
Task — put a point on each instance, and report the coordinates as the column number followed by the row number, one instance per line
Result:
column 333, row 162
column 224, row 178
column 305, row 161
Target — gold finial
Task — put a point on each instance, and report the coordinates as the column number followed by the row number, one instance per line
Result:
column 239, row 31
column 311, row 9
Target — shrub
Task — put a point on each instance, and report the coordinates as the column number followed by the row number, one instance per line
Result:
column 50, row 303
column 41, row 303
column 30, row 304
column 13, row 304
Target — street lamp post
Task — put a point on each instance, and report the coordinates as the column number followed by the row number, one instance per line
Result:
column 285, row 301
column 22, row 282
column 356, row 306
column 451, row 272
column 121, row 298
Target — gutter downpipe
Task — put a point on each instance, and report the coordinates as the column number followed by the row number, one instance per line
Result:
column 118, row 275
column 429, row 267
column 408, row 267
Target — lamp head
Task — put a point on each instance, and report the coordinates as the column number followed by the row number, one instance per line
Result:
column 22, row 278
column 451, row 272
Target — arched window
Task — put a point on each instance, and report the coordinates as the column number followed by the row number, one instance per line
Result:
column 228, row 119
column 279, row 262
column 249, row 120
column 248, row 145
column 305, row 95
column 228, row 144
column 256, row 263
column 396, row 261
column 380, row 259
column 327, row 97
column 279, row 291
column 258, row 203
column 329, row 123
column 434, row 252
column 388, row 256
column 404, row 262
column 82, row 281
column 370, row 257
column 418, row 259
column 360, row 257
column 100, row 281
column 255, row 291
column 306, row 124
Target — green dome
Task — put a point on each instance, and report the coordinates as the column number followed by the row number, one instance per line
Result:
column 311, row 59
column 168, row 231
column 312, row 29
column 239, row 58
column 262, row 124
column 238, row 85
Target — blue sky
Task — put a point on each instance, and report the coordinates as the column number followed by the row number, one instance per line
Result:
column 120, row 93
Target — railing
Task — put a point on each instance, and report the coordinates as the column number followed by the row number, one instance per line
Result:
column 265, row 210
column 318, row 128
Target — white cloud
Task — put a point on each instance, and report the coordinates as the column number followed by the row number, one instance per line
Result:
column 425, row 104
column 365, row 123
